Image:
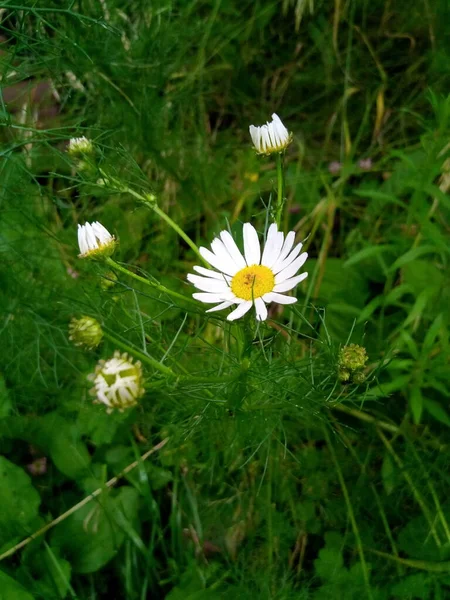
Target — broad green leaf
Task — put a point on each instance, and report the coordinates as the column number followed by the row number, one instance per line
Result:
column 368, row 252
column 419, row 306
column 92, row 536
column 431, row 335
column 19, row 501
column 417, row 540
column 412, row 255
column 417, row 586
column 51, row 573
column 11, row 590
column 55, row 436
column 383, row 196
column 437, row 411
column 416, row 404
column 330, row 564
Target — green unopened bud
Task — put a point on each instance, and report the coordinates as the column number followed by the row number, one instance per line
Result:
column 344, row 375
column 118, row 382
column 85, row 332
column 108, row 280
column 352, row 357
column 359, row 377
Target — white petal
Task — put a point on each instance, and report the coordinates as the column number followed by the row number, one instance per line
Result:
column 207, row 284
column 279, row 266
column 252, row 249
column 82, row 243
column 279, row 298
column 210, row 298
column 240, row 310
column 90, row 237
column 232, row 249
column 288, row 284
column 274, row 253
column 101, row 233
column 265, row 138
column 220, row 306
column 287, row 246
column 212, row 274
column 261, row 310
column 221, row 264
column 274, row 135
column 283, row 133
column 255, row 135
column 291, row 269
column 271, row 239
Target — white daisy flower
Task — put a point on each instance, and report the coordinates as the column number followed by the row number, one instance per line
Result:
column 117, row 382
column 95, row 240
column 257, row 278
column 271, row 137
column 79, row 146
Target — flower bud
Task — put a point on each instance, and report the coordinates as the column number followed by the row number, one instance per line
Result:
column 344, row 375
column 86, row 332
column 117, row 382
column 108, row 280
column 95, row 241
column 270, row 138
column 352, row 357
column 359, row 377
column 79, row 147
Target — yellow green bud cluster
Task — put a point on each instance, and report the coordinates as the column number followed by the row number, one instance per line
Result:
column 351, row 363
column 86, row 332
column 118, row 382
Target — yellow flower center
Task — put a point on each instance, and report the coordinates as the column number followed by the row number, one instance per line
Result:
column 252, row 282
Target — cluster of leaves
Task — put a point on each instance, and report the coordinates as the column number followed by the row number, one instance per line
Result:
column 281, row 482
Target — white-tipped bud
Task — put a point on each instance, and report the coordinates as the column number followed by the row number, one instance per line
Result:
column 80, row 146
column 95, row 241
column 271, row 137
column 117, row 382
column 86, row 332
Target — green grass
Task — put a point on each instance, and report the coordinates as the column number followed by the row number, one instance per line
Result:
column 277, row 480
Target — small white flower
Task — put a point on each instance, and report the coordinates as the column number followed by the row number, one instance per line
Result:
column 271, row 137
column 79, row 146
column 257, row 278
column 95, row 240
column 117, row 382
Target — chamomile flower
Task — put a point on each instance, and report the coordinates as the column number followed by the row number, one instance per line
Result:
column 95, row 240
column 271, row 137
column 255, row 279
column 117, row 382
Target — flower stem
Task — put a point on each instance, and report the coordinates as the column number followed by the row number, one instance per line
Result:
column 178, row 229
column 140, row 355
column 150, row 201
column 280, row 190
column 145, row 358
column 153, row 284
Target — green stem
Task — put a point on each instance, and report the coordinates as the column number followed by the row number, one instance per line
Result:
column 178, row 229
column 150, row 201
column 280, row 192
column 162, row 368
column 350, row 512
column 152, row 284
column 140, row 355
